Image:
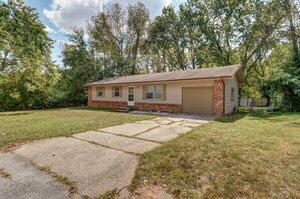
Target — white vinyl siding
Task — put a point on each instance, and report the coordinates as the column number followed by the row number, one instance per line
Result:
column 231, row 95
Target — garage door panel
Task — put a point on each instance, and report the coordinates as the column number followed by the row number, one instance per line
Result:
column 198, row 100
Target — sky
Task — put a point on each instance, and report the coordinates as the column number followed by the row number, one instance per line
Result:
column 59, row 16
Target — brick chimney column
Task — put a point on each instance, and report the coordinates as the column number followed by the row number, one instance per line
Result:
column 89, row 96
column 219, row 97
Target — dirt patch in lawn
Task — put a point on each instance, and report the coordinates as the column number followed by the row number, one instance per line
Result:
column 152, row 192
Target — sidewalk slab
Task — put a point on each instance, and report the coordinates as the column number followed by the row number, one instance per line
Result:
column 190, row 124
column 118, row 142
column 163, row 121
column 164, row 133
column 94, row 169
column 26, row 181
column 129, row 129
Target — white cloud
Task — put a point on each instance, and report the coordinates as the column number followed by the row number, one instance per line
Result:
column 49, row 30
column 66, row 14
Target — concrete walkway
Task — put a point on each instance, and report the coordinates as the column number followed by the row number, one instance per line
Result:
column 89, row 163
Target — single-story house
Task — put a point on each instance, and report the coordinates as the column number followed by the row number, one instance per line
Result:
column 210, row 91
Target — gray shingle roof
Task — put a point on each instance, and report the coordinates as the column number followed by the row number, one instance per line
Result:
column 204, row 73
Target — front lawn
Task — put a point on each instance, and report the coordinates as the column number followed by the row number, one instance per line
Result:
column 16, row 127
column 248, row 155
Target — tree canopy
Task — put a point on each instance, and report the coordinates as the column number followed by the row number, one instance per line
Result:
column 26, row 69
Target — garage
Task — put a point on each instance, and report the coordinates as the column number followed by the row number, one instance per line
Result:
column 197, row 100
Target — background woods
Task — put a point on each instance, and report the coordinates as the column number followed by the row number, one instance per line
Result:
column 262, row 36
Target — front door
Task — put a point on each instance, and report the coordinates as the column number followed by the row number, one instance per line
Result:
column 130, row 96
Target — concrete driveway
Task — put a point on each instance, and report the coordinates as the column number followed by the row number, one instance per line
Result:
column 89, row 163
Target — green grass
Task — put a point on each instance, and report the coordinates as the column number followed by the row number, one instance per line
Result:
column 24, row 126
column 248, row 155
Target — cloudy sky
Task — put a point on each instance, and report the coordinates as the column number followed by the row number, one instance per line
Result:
column 60, row 16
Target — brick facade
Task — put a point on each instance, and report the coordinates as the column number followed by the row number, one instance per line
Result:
column 107, row 104
column 169, row 108
column 219, row 98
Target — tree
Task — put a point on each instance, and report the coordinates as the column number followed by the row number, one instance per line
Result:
column 78, row 69
column 116, row 36
column 138, row 18
column 282, row 85
column 236, row 31
column 26, row 69
column 166, row 36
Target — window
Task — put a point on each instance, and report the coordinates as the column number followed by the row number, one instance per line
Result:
column 100, row 91
column 116, row 91
column 154, row 92
column 232, row 94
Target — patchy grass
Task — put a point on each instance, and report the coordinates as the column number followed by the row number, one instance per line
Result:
column 24, row 126
column 62, row 179
column 109, row 195
column 247, row 155
column 4, row 174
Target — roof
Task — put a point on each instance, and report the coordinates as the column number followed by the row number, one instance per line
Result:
column 204, row 73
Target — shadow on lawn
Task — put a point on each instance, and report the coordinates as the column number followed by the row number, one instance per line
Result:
column 279, row 116
column 94, row 109
column 232, row 118
column 256, row 115
column 14, row 114
column 259, row 115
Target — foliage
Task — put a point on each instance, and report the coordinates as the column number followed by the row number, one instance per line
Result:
column 26, row 70
column 116, row 37
column 283, row 88
column 78, row 70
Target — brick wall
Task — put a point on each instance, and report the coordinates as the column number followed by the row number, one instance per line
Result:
column 170, row 108
column 107, row 104
column 219, row 98
column 90, row 96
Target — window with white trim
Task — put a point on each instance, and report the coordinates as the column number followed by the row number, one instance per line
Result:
column 100, row 91
column 154, row 92
column 116, row 91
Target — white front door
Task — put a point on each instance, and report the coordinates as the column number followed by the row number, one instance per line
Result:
column 130, row 96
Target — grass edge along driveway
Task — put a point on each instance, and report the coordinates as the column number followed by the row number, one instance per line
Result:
column 247, row 155
column 22, row 126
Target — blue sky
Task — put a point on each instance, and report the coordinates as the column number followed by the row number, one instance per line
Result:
column 60, row 16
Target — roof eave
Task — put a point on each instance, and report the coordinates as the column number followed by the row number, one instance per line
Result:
column 141, row 82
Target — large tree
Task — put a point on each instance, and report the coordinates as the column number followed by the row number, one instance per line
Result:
column 26, row 69
column 167, row 39
column 117, row 35
column 78, row 69
column 138, row 19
